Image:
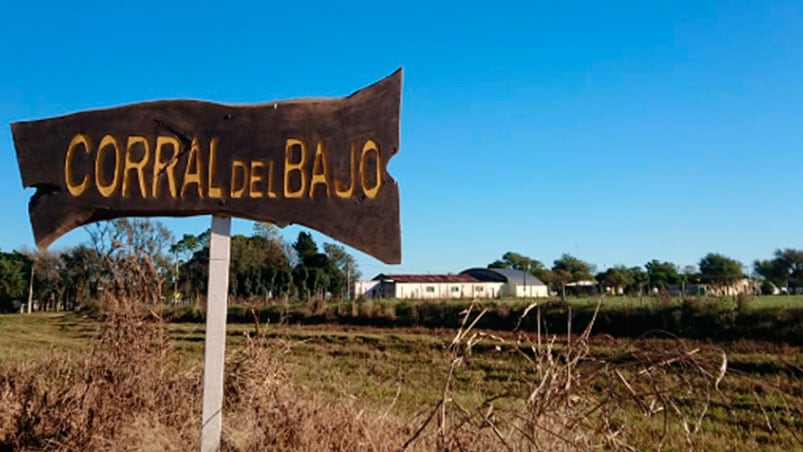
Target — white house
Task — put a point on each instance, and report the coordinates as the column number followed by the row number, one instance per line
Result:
column 471, row 283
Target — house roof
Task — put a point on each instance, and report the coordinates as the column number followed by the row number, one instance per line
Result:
column 507, row 275
column 459, row 278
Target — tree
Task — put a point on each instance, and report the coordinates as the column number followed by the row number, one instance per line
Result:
column 267, row 230
column 719, row 270
column 617, row 278
column 182, row 251
column 520, row 262
column 14, row 272
column 784, row 269
column 578, row 269
column 562, row 277
column 640, row 280
column 344, row 268
column 83, row 270
column 305, row 246
column 662, row 274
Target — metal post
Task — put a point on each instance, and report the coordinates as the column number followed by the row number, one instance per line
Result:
column 215, row 342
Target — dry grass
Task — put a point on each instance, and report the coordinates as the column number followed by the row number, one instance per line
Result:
column 133, row 391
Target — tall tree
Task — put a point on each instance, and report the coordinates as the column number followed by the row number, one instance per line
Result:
column 305, row 246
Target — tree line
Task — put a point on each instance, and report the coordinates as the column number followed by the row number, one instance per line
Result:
column 263, row 266
column 783, row 270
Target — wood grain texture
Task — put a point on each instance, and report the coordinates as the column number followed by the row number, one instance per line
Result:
column 321, row 163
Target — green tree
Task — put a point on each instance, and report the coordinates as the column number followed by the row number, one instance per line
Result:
column 784, row 269
column 343, row 269
column 662, row 274
column 579, row 269
column 14, row 272
column 520, row 262
column 305, row 246
column 640, row 281
column 720, row 270
column 84, row 268
column 617, row 278
column 561, row 277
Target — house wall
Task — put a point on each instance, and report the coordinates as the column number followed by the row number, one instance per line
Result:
column 513, row 289
column 367, row 289
column 429, row 290
column 444, row 290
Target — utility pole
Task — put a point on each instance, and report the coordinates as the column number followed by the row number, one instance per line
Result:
column 525, row 279
column 175, row 276
column 348, row 281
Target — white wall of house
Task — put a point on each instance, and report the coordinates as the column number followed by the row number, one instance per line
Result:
column 431, row 290
column 446, row 290
column 529, row 291
column 367, row 289
column 436, row 290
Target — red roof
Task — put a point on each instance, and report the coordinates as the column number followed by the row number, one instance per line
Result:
column 459, row 278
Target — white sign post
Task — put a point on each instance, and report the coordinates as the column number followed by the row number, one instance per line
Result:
column 215, row 342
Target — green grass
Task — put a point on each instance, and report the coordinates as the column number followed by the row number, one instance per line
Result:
column 373, row 365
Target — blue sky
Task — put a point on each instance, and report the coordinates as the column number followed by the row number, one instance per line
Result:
column 618, row 132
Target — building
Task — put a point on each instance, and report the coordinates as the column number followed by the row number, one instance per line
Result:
column 471, row 283
column 514, row 283
column 424, row 287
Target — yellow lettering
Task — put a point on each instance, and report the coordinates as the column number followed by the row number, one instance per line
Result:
column 252, row 190
column 348, row 192
column 320, row 170
column 169, row 166
column 75, row 189
column 238, row 192
column 290, row 167
column 193, row 177
column 370, row 146
column 107, row 190
column 214, row 191
column 139, row 166
column 270, row 192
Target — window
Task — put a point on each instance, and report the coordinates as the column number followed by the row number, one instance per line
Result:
column 430, row 289
column 478, row 288
column 455, row 289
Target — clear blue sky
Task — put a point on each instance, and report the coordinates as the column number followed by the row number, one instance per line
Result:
column 617, row 132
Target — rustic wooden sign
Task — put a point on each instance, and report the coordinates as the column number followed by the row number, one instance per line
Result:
column 321, row 163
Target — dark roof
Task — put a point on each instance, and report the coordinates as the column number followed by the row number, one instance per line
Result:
column 459, row 278
column 503, row 275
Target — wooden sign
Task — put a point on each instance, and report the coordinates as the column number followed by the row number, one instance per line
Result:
column 321, row 163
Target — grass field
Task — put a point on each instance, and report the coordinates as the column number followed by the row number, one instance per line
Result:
column 402, row 372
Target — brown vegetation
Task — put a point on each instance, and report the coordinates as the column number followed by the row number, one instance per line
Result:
column 134, row 390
